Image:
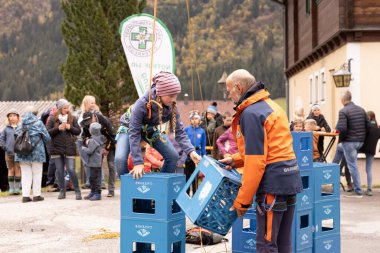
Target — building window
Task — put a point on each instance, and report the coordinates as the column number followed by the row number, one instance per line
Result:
column 308, row 6
column 310, row 90
column 323, row 87
column 316, row 88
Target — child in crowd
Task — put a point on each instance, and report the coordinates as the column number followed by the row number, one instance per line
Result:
column 92, row 157
column 298, row 115
column 297, row 125
column 227, row 144
column 310, row 126
column 369, row 148
column 322, row 125
column 153, row 160
column 148, row 115
column 7, row 141
column 197, row 136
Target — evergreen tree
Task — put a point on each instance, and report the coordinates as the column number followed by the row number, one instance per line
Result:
column 96, row 63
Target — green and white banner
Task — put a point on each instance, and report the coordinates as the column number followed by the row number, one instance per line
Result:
column 136, row 36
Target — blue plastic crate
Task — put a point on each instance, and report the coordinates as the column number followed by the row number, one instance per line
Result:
column 303, row 221
column 151, row 197
column 327, row 244
column 305, row 199
column 326, row 181
column 327, row 218
column 244, row 233
column 148, row 236
column 303, row 149
column 209, row 206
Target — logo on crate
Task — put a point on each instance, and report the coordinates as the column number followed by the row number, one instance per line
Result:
column 177, row 229
column 327, row 211
column 251, row 243
column 143, row 232
column 176, row 188
column 327, row 175
column 328, row 246
column 305, row 160
column 304, row 237
column 143, row 189
column 305, row 199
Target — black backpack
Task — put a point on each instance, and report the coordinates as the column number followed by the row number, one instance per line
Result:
column 23, row 144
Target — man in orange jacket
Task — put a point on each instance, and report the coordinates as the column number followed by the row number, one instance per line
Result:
column 270, row 170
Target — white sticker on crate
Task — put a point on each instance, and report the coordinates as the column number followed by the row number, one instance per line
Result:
column 177, row 229
column 142, row 230
column 204, row 192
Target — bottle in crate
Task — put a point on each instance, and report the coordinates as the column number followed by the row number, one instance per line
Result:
column 209, row 206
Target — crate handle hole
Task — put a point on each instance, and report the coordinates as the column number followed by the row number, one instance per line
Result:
column 144, row 206
column 327, row 225
column 327, row 189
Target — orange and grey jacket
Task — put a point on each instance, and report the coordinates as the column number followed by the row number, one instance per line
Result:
column 265, row 148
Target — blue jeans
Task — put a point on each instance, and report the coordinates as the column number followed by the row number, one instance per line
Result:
column 60, row 164
column 122, row 153
column 350, row 151
column 51, row 173
column 368, row 167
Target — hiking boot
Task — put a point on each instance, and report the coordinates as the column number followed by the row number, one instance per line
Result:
column 86, row 186
column 111, row 194
column 354, row 194
column 38, row 198
column 62, row 195
column 96, row 196
column 78, row 195
column 369, row 192
column 89, row 195
column 26, row 199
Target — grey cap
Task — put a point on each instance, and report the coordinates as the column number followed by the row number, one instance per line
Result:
column 95, row 129
column 61, row 103
column 14, row 111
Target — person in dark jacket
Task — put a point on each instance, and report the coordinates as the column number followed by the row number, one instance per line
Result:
column 369, row 148
column 353, row 125
column 322, row 125
column 63, row 127
column 108, row 131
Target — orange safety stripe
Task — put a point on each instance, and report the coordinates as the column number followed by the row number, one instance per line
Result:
column 268, row 236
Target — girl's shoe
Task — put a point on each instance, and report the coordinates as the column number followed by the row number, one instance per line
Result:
column 11, row 191
column 96, row 196
column 62, row 194
column 17, row 191
column 89, row 195
column 26, row 199
column 78, row 195
column 38, row 198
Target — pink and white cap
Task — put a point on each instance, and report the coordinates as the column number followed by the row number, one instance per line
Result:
column 166, row 84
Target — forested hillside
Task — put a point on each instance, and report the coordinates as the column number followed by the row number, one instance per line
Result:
column 225, row 35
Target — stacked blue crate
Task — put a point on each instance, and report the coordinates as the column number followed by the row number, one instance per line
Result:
column 302, row 231
column 151, row 220
column 303, row 149
column 326, row 208
column 209, row 205
column 244, row 233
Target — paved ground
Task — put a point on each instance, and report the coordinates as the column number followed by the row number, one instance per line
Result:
column 67, row 225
